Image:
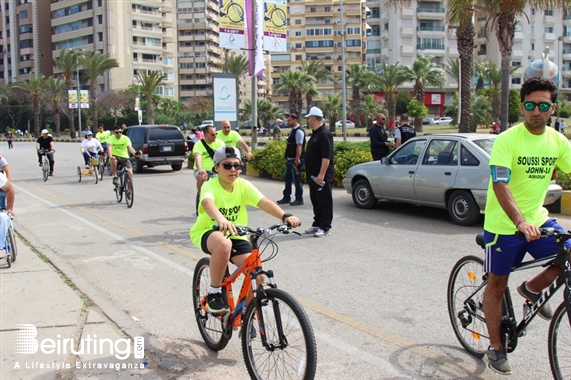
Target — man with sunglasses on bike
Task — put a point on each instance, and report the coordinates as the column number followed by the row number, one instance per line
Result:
column 118, row 149
column 203, row 153
column 521, row 164
column 223, row 202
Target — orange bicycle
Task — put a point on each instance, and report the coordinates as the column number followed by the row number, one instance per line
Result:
column 277, row 336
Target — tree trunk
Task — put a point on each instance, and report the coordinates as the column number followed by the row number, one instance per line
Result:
column 36, row 117
column 93, row 105
column 57, row 121
column 465, row 34
column 505, row 30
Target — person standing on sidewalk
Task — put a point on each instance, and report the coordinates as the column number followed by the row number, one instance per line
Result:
column 320, row 172
column 233, row 138
column 404, row 132
column 295, row 156
column 379, row 140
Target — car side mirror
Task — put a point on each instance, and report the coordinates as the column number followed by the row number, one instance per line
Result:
column 385, row 161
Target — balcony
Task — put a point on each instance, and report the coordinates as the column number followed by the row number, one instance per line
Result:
column 407, row 50
column 407, row 13
column 166, row 22
column 424, row 13
column 453, row 52
column 566, row 54
column 549, row 20
column 549, row 37
column 166, row 6
column 406, row 32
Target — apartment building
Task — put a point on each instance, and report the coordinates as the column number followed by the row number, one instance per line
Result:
column 139, row 34
column 25, row 43
column 315, row 34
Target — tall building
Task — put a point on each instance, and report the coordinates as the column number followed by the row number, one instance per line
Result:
column 315, row 34
column 139, row 34
column 25, row 40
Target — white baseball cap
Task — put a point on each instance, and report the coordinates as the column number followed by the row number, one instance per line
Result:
column 314, row 111
column 225, row 152
column 279, row 120
column 44, row 131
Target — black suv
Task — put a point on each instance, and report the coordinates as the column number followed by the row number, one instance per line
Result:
column 160, row 144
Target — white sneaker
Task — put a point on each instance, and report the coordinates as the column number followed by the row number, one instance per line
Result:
column 321, row 233
column 311, row 230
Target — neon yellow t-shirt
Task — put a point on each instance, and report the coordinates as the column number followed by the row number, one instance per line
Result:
column 207, row 162
column 103, row 136
column 119, row 146
column 531, row 159
column 230, row 140
column 231, row 204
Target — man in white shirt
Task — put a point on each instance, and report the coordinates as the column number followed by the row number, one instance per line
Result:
column 90, row 147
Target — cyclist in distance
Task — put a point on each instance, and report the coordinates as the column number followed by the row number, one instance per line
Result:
column 521, row 165
column 45, row 141
column 223, row 202
column 90, row 148
column 203, row 153
column 119, row 147
column 233, row 138
column 102, row 135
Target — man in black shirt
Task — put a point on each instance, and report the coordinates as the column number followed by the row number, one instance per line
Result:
column 379, row 140
column 295, row 156
column 45, row 141
column 320, row 172
column 404, row 132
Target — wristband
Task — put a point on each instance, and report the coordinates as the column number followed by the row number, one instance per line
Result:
column 286, row 215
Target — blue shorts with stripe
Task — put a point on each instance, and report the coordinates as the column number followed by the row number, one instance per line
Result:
column 504, row 252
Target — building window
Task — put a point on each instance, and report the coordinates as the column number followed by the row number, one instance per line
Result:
column 297, row 22
column 548, row 12
column 298, row 34
column 548, row 29
column 23, row 15
column 516, row 80
column 516, row 63
column 386, row 26
column 353, row 43
column 100, row 20
column 313, row 9
column 327, row 9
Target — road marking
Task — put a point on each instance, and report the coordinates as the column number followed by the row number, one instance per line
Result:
column 379, row 334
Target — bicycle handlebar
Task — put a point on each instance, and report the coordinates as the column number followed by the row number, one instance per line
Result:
column 282, row 228
column 46, row 151
column 550, row 231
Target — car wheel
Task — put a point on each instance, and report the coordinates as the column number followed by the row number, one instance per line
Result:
column 137, row 166
column 176, row 166
column 463, row 209
column 363, row 196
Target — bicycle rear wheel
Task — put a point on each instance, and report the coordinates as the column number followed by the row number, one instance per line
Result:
column 291, row 351
column 209, row 325
column 129, row 190
column 467, row 316
column 101, row 170
column 11, row 247
column 559, row 344
column 45, row 169
column 78, row 174
column 95, row 173
column 119, row 189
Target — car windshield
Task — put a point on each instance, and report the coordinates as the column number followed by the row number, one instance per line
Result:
column 485, row 144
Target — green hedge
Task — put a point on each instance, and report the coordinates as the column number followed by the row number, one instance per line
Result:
column 270, row 160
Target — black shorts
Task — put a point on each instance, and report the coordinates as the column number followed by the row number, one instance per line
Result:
column 239, row 246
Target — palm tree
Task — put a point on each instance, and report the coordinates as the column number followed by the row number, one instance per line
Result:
column 333, row 107
column 67, row 63
column 481, row 111
column 502, row 17
column 460, row 12
column 238, row 65
column 317, row 71
column 34, row 86
column 359, row 79
column 493, row 75
column 369, row 108
column 95, row 64
column 294, row 84
column 56, row 94
column 423, row 73
column 149, row 83
column 391, row 77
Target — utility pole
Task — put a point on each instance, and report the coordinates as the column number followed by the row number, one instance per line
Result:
column 343, row 79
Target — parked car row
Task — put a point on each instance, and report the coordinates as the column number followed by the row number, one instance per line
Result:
column 449, row 171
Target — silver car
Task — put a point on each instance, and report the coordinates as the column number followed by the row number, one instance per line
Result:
column 446, row 170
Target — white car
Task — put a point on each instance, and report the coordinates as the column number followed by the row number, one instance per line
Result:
column 443, row 121
column 207, row 122
column 348, row 123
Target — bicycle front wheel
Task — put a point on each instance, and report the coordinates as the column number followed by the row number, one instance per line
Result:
column 290, row 351
column 209, row 325
column 129, row 190
column 96, row 173
column 78, row 174
column 12, row 248
column 559, row 342
column 45, row 169
column 101, row 170
column 465, row 308
column 119, row 191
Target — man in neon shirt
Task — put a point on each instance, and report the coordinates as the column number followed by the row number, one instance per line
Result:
column 119, row 147
column 203, row 153
column 233, row 138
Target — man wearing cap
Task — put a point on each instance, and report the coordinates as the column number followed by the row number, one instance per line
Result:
column 203, row 153
column 277, row 131
column 223, row 202
column 118, row 148
column 233, row 138
column 295, row 156
column 90, row 148
column 320, row 172
column 46, row 142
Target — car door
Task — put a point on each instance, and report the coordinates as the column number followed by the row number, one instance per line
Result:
column 437, row 171
column 397, row 178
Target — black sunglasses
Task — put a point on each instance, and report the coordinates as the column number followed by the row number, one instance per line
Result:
column 229, row 166
column 543, row 106
column 118, row 132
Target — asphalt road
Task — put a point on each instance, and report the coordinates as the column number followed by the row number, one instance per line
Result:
column 375, row 289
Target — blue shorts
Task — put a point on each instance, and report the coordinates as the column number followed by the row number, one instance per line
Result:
column 504, row 252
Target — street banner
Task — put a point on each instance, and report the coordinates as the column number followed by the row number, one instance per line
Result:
column 72, row 98
column 259, row 64
column 275, row 25
column 232, row 24
column 137, row 104
column 84, row 98
column 225, row 97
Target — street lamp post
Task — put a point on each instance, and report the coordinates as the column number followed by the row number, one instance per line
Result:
column 343, row 80
column 559, row 68
column 78, row 90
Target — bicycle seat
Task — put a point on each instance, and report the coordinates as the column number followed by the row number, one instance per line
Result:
column 480, row 240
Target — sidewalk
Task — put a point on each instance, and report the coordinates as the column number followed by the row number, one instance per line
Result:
column 37, row 299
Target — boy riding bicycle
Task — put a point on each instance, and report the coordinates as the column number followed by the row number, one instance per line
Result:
column 223, row 201
column 522, row 163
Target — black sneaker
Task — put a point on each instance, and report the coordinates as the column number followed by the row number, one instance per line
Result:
column 498, row 361
column 215, row 303
column 296, row 203
column 41, row 165
column 51, row 174
column 283, row 201
column 545, row 312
